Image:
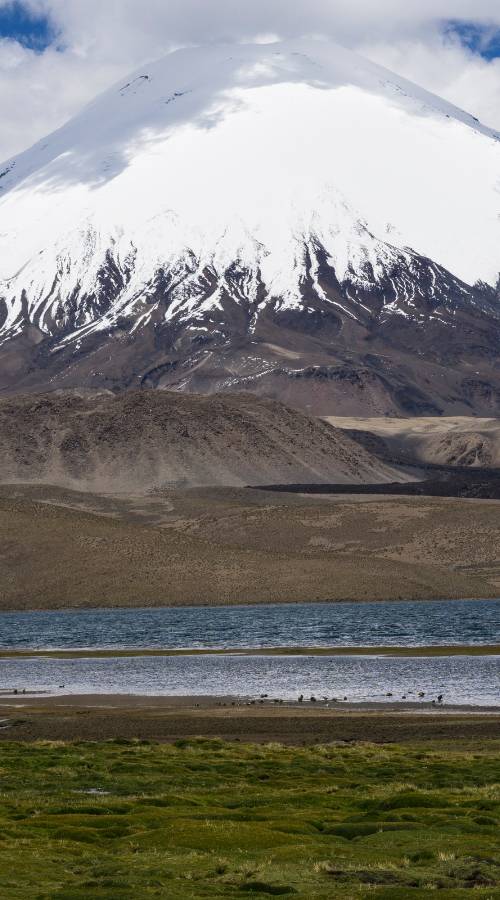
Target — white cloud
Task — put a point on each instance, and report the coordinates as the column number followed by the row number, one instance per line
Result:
column 448, row 69
column 40, row 92
column 102, row 40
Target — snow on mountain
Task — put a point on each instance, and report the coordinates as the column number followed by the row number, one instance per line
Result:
column 247, row 156
column 277, row 176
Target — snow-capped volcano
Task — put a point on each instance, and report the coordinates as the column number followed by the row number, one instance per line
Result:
column 226, row 195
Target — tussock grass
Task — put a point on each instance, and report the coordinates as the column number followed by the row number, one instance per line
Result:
column 203, row 819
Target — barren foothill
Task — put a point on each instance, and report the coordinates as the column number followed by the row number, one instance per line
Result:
column 220, row 546
column 466, row 441
column 138, row 440
column 123, row 500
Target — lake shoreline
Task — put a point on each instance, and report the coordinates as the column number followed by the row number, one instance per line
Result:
column 134, row 652
column 170, row 719
column 229, row 704
column 195, row 603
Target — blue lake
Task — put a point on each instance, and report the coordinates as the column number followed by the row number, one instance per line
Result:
column 279, row 625
column 461, row 679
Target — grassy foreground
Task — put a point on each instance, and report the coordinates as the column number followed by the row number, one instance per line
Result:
column 203, row 819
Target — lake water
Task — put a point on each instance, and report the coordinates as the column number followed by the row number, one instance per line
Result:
column 461, row 679
column 278, row 625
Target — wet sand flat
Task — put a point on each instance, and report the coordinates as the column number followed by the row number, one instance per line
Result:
column 168, row 719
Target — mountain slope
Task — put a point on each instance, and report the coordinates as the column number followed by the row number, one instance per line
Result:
column 258, row 217
column 466, row 442
column 141, row 440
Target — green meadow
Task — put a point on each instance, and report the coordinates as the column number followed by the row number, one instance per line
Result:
column 204, row 819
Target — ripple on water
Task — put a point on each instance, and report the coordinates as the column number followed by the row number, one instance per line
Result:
column 300, row 625
column 461, row 679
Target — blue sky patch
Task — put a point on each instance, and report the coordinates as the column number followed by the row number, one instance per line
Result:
column 478, row 38
column 20, row 24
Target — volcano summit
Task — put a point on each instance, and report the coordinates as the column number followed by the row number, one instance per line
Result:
column 287, row 219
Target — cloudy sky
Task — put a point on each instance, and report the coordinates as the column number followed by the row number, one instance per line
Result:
column 57, row 54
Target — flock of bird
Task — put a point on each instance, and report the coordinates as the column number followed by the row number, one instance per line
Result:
column 312, row 699
column 421, row 695
column 301, row 699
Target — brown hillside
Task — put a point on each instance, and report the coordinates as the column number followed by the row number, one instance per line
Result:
column 145, row 439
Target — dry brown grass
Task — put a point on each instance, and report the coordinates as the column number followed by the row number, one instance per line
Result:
column 227, row 546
